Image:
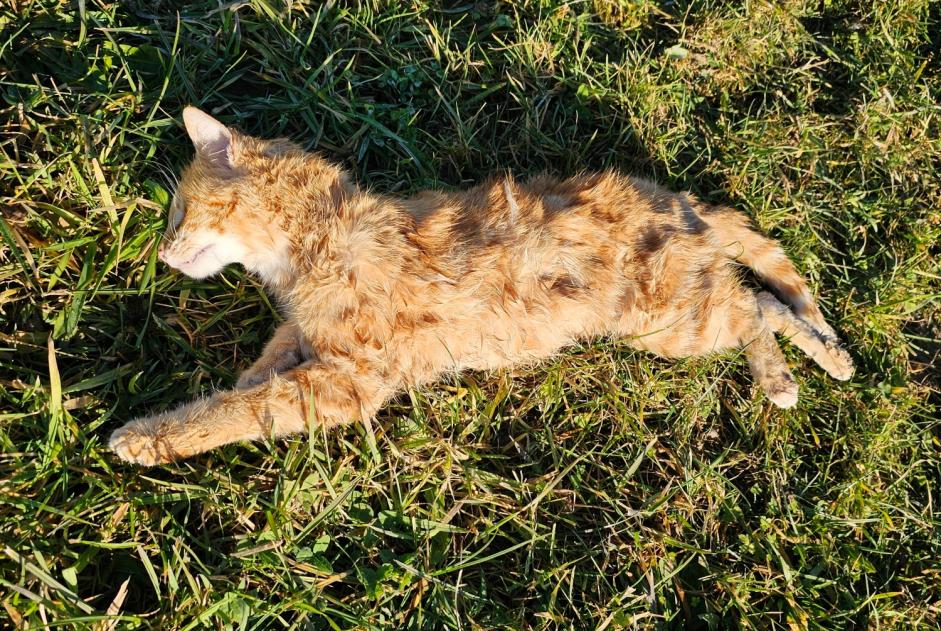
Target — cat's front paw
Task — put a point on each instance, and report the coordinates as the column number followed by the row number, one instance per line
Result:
column 265, row 368
column 133, row 443
column 251, row 378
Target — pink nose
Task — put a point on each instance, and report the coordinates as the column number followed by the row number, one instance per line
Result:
column 162, row 252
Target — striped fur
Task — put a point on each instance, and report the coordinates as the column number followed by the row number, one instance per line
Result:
column 383, row 292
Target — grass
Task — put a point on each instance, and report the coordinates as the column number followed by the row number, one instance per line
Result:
column 604, row 489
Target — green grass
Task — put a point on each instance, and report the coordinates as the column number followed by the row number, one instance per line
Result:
column 605, row 489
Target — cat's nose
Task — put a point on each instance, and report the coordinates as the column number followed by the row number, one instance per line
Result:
column 162, row 252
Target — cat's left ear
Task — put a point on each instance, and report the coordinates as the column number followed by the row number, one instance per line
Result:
column 212, row 139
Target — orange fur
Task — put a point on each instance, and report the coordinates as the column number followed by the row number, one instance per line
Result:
column 381, row 292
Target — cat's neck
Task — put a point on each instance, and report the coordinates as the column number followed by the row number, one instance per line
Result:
column 278, row 275
column 329, row 223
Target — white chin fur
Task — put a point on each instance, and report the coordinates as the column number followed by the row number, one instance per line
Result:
column 203, row 254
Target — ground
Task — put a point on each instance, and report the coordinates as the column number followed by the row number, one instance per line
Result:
column 604, row 489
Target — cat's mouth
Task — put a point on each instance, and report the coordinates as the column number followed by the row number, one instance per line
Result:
column 195, row 256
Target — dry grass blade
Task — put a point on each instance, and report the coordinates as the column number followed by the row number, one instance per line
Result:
column 114, row 609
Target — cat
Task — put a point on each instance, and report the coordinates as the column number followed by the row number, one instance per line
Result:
column 380, row 293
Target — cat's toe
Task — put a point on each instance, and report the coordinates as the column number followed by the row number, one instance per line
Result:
column 133, row 446
column 783, row 391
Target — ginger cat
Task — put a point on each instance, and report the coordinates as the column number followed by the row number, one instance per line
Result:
column 381, row 292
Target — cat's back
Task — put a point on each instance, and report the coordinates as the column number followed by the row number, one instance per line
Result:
column 502, row 213
column 544, row 243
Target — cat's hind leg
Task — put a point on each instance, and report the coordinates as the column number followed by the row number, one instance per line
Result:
column 733, row 233
column 822, row 347
column 769, row 367
column 743, row 325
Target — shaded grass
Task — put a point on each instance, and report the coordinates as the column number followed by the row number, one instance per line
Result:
column 606, row 488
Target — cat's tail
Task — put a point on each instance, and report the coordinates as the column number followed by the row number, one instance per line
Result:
column 769, row 262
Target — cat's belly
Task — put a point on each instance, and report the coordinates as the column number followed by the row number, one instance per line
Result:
column 499, row 340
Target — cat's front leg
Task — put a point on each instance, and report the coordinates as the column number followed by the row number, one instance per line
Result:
column 317, row 394
column 282, row 352
column 149, row 440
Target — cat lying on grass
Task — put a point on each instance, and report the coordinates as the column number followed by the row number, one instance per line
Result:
column 382, row 292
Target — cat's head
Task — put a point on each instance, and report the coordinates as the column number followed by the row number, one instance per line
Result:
column 218, row 215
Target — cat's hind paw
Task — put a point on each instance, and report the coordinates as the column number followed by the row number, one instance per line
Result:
column 839, row 363
column 782, row 391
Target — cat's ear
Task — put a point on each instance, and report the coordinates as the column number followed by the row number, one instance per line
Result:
column 212, row 139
